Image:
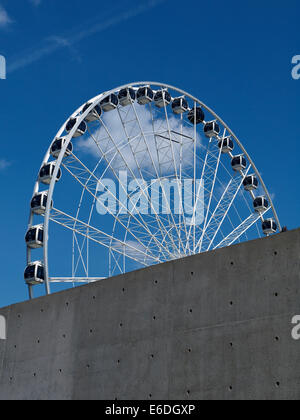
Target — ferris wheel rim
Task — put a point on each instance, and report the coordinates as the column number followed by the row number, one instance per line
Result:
column 80, row 117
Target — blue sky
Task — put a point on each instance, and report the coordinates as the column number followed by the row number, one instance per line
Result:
column 235, row 56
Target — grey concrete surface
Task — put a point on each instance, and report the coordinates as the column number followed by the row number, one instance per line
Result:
column 212, row 326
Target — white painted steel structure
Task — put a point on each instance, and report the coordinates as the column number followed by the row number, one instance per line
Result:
column 153, row 141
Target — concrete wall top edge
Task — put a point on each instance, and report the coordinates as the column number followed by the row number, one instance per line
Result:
column 212, row 326
column 271, row 241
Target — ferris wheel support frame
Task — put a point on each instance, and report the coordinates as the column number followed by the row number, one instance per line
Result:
column 81, row 117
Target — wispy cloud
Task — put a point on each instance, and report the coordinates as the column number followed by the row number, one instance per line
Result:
column 35, row 2
column 5, row 19
column 148, row 153
column 56, row 42
column 65, row 43
column 4, row 164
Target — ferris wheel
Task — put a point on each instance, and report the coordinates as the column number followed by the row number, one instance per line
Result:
column 140, row 175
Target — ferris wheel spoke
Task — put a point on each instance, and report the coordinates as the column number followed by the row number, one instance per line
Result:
column 116, row 258
column 241, row 229
column 93, row 192
column 159, row 171
column 239, row 216
column 148, row 248
column 210, row 178
column 209, row 175
column 80, row 258
column 156, row 230
column 196, row 194
column 80, row 175
column 139, row 219
column 188, row 147
column 89, row 220
column 222, row 209
column 250, row 211
column 207, row 170
column 144, row 134
column 182, row 221
column 81, row 248
column 112, row 258
column 101, row 237
column 153, row 208
column 179, row 185
column 75, row 280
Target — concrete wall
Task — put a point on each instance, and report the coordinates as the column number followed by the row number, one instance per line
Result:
column 213, row 326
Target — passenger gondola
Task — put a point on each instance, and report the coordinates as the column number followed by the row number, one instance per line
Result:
column 127, row 96
column 94, row 114
column 109, row 103
column 269, row 227
column 46, row 173
column 196, row 115
column 226, row 145
column 145, row 95
column 260, row 204
column 211, row 129
column 34, row 273
column 162, row 98
column 35, row 237
column 39, row 203
column 250, row 183
column 58, row 144
column 239, row 163
column 180, row 105
column 81, row 129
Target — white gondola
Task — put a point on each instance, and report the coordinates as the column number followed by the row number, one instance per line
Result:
column 46, row 173
column 34, row 273
column 269, row 226
column 145, row 95
column 212, row 129
column 39, row 203
column 127, row 96
column 35, row 237
column 162, row 98
column 109, row 103
column 196, row 115
column 180, row 105
column 260, row 204
column 94, row 114
column 250, row 183
column 150, row 141
column 58, row 144
column 239, row 163
column 226, row 145
column 81, row 129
